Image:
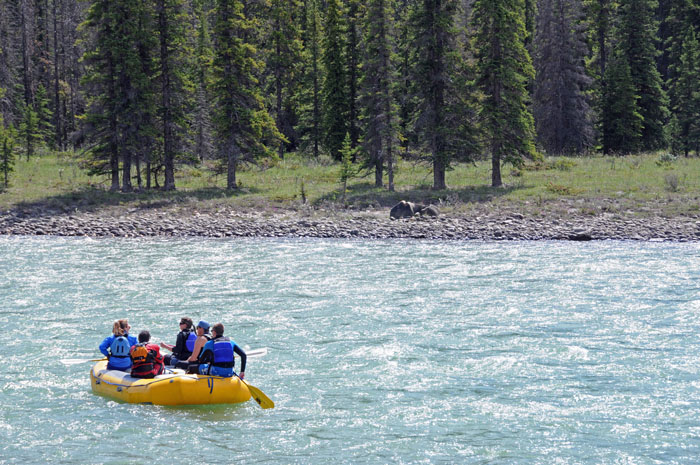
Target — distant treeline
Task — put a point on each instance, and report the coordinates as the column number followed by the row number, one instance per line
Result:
column 144, row 86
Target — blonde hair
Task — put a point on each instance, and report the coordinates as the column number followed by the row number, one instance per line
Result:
column 120, row 327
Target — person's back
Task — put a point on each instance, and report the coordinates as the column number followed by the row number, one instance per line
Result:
column 218, row 355
column 117, row 346
column 147, row 362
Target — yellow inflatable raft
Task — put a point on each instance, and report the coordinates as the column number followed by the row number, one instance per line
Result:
column 175, row 388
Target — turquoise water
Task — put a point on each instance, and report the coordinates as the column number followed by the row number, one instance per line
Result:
column 378, row 351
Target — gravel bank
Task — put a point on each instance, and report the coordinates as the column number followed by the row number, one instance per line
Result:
column 477, row 224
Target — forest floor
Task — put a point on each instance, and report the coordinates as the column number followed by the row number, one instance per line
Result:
column 642, row 197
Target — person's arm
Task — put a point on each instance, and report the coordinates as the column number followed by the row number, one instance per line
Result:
column 244, row 357
column 166, row 346
column 198, row 344
column 106, row 343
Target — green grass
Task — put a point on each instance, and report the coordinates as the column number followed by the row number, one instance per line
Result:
column 56, row 181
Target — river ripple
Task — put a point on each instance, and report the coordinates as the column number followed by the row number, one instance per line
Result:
column 379, row 351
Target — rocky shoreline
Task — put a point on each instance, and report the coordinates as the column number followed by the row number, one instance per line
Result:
column 484, row 223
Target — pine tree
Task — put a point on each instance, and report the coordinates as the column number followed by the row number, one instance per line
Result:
column 335, row 92
column 621, row 121
column 636, row 39
column 601, row 15
column 353, row 55
column 139, row 88
column 29, row 130
column 101, row 122
column 120, row 71
column 406, row 91
column 285, row 61
column 7, row 150
column 561, row 108
column 504, row 69
column 310, row 89
column 245, row 129
column 684, row 85
column 44, row 115
column 347, row 170
column 201, row 77
column 443, row 132
column 377, row 90
column 172, row 65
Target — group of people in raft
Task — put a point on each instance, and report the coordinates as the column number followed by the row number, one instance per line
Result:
column 195, row 350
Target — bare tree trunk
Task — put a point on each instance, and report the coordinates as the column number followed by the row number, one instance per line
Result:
column 126, row 171
column 495, row 167
column 232, row 162
column 379, row 170
column 27, row 50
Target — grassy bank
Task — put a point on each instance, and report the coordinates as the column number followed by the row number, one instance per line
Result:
column 56, row 181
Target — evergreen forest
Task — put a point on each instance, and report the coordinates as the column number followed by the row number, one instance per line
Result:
column 141, row 88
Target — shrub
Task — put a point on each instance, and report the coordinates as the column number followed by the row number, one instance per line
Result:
column 665, row 160
column 672, row 182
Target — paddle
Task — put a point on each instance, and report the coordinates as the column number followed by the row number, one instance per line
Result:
column 256, row 352
column 259, row 396
column 74, row 361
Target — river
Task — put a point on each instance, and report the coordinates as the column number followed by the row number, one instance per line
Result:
column 397, row 351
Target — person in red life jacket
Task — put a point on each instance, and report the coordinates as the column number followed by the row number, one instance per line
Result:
column 116, row 347
column 203, row 337
column 147, row 362
column 184, row 343
column 218, row 355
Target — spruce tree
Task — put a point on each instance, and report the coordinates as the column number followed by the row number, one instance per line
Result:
column 406, row 88
column 285, row 65
column 44, row 116
column 683, row 53
column 621, row 123
column 310, row 93
column 245, row 129
column 100, row 81
column 561, row 109
column 7, row 150
column 201, row 79
column 335, row 84
column 29, row 130
column 684, row 89
column 353, row 55
column 504, row 69
column 141, row 91
column 120, row 119
column 172, row 64
column 377, row 90
column 439, row 123
column 636, row 40
column 601, row 15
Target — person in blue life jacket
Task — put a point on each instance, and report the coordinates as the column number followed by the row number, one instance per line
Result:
column 184, row 343
column 192, row 362
column 117, row 346
column 218, row 355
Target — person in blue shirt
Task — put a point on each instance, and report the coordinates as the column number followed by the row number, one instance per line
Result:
column 218, row 355
column 117, row 346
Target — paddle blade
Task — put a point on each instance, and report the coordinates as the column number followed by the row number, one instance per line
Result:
column 260, row 397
